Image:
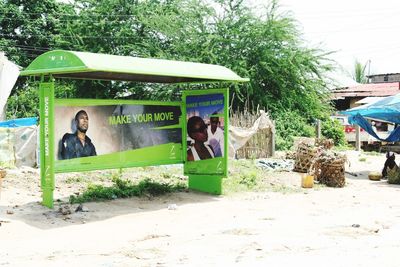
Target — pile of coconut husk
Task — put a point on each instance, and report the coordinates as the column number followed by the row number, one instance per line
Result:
column 329, row 168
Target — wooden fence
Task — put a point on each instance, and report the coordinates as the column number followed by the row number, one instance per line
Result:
column 262, row 144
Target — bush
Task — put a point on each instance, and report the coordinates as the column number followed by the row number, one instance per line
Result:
column 289, row 124
column 25, row 101
column 334, row 130
column 125, row 189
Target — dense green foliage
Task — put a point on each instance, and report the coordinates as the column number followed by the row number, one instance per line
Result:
column 332, row 129
column 286, row 77
column 290, row 124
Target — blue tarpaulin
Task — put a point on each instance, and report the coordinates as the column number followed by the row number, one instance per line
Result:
column 19, row 122
column 386, row 109
column 360, row 120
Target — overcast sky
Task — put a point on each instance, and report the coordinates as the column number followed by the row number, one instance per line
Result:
column 358, row 29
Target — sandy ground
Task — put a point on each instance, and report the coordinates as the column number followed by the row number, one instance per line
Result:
column 358, row 225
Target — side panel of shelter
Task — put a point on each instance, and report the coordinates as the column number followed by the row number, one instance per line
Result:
column 205, row 138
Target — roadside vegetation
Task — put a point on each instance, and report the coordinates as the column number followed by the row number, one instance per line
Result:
column 244, row 176
column 124, row 189
column 287, row 77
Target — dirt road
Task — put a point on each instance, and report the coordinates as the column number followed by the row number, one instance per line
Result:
column 358, row 225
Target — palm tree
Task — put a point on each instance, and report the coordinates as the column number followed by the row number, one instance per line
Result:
column 359, row 74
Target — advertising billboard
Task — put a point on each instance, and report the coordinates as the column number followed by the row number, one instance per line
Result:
column 101, row 134
column 205, row 132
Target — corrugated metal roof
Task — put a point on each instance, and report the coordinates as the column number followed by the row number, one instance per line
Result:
column 364, row 90
column 386, row 74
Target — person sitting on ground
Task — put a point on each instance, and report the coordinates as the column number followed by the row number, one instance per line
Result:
column 390, row 170
column 197, row 130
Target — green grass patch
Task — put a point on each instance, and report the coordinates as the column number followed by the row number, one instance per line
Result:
column 284, row 189
column 372, row 153
column 74, row 180
column 245, row 176
column 362, row 159
column 125, row 189
column 344, row 147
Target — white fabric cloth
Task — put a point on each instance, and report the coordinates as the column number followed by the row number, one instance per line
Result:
column 216, row 141
column 19, row 146
column 238, row 137
column 9, row 73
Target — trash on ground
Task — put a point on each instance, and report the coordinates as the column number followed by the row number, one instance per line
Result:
column 275, row 164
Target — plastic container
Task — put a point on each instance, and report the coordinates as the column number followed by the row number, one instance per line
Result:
column 375, row 176
column 307, row 181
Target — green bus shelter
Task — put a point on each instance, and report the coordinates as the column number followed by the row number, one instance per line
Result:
column 132, row 133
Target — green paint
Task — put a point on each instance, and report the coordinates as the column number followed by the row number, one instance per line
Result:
column 62, row 63
column 204, row 175
column 46, row 92
column 141, row 118
column 121, row 119
column 207, row 166
column 206, row 183
column 226, row 130
column 168, row 127
column 110, row 102
column 148, row 156
column 219, row 115
column 164, row 116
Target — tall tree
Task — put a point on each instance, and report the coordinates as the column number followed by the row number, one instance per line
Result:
column 29, row 28
column 285, row 75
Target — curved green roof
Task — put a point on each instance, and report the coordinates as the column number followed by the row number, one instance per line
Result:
column 84, row 65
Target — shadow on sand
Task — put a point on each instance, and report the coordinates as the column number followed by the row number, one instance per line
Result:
column 39, row 216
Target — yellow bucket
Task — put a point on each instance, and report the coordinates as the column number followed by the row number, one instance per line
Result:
column 375, row 176
column 307, row 181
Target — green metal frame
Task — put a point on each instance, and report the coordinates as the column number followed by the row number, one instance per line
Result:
column 82, row 65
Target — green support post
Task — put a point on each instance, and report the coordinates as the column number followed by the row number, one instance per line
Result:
column 46, row 94
column 206, row 183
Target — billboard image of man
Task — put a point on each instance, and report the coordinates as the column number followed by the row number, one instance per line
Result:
column 216, row 136
column 78, row 144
